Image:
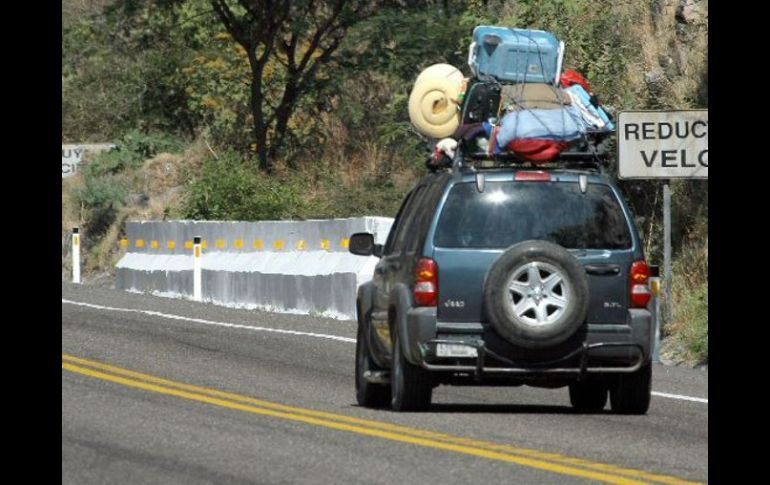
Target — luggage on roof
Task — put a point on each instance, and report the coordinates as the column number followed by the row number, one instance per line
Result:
column 481, row 102
column 434, row 100
column 515, row 55
column 517, row 107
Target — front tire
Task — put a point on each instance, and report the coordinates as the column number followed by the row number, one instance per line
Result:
column 631, row 393
column 412, row 388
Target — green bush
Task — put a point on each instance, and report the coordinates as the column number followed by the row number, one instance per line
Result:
column 131, row 151
column 101, row 197
column 229, row 189
column 101, row 192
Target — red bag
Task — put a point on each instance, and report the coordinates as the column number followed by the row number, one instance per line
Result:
column 537, row 151
column 571, row 77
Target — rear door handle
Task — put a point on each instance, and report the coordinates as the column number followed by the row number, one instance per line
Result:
column 603, row 269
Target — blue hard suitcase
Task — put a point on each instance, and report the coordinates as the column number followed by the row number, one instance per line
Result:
column 515, row 55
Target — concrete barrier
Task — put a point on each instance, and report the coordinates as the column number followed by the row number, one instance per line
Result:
column 286, row 266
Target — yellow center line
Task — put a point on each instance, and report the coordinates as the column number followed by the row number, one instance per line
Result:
column 527, row 457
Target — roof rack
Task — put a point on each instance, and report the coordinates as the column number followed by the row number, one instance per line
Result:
column 568, row 160
column 590, row 153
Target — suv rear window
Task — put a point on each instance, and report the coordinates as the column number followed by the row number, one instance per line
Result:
column 510, row 212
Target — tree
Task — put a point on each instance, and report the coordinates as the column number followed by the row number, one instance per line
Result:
column 301, row 36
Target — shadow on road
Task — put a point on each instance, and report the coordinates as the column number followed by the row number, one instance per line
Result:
column 503, row 409
column 499, row 409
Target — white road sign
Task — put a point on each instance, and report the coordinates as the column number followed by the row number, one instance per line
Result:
column 71, row 155
column 663, row 144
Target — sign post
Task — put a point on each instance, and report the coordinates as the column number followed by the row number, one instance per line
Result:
column 655, row 288
column 667, row 272
column 663, row 145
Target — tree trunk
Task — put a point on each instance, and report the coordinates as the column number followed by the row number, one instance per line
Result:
column 282, row 115
column 260, row 128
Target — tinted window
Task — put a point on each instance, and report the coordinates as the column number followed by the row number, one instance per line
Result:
column 425, row 212
column 404, row 225
column 510, row 212
column 396, row 224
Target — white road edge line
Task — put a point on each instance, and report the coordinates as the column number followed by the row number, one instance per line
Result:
column 290, row 332
column 679, row 396
column 211, row 322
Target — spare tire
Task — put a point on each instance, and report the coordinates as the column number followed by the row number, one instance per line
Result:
column 536, row 294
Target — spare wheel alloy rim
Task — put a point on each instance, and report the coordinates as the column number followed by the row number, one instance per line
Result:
column 538, row 293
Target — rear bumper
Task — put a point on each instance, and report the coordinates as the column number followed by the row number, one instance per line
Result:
column 602, row 348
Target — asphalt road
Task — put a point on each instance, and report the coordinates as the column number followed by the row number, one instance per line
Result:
column 181, row 392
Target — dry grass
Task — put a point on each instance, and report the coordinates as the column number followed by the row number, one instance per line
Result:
column 161, row 173
column 689, row 325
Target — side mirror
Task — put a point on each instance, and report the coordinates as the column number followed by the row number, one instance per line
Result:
column 362, row 244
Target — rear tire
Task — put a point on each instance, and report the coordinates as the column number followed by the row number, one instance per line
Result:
column 631, row 393
column 588, row 397
column 368, row 394
column 411, row 385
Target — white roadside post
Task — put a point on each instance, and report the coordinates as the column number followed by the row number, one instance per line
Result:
column 197, row 266
column 75, row 255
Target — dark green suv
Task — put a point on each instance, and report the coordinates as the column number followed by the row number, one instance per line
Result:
column 507, row 276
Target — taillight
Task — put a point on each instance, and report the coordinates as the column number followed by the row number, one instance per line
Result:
column 639, row 282
column 426, row 283
column 530, row 176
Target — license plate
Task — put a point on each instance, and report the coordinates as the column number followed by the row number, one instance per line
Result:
column 454, row 350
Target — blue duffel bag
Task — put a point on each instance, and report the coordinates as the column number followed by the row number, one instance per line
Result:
column 543, row 124
column 515, row 55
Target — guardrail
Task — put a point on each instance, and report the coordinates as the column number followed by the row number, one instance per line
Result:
column 289, row 266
